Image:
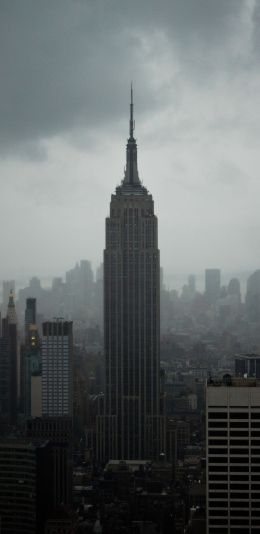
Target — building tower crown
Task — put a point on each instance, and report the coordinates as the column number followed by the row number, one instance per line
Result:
column 11, row 312
column 131, row 177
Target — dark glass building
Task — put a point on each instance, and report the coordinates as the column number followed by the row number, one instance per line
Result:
column 8, row 366
column 132, row 425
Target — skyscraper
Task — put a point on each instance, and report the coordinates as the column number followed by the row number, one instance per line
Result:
column 8, row 365
column 233, row 455
column 132, row 425
column 212, row 285
column 253, row 297
column 8, row 286
column 26, row 485
column 30, row 315
column 57, row 369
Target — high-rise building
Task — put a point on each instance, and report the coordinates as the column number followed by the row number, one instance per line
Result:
column 132, row 425
column 253, row 297
column 30, row 315
column 57, row 430
column 57, row 369
column 30, row 360
column 8, row 366
column 233, row 455
column 8, row 287
column 26, row 485
column 212, row 285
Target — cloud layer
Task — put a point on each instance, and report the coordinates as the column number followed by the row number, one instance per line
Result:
column 66, row 67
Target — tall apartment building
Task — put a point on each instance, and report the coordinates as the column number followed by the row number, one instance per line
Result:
column 233, row 456
column 132, row 425
column 57, row 369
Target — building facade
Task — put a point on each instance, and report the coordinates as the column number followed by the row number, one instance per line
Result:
column 26, row 486
column 233, row 456
column 132, row 425
column 57, row 369
column 8, row 366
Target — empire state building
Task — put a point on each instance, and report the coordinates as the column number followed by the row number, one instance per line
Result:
column 132, row 423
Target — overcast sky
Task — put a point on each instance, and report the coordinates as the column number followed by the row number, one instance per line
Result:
column 65, row 73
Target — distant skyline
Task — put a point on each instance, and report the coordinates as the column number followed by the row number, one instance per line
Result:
column 66, row 69
column 172, row 280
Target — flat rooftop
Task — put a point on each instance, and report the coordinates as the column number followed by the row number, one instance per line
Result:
column 230, row 381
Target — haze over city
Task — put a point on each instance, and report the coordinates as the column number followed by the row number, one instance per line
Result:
column 66, row 69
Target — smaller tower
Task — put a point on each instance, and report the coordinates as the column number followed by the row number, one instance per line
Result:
column 8, row 365
column 57, row 369
column 11, row 311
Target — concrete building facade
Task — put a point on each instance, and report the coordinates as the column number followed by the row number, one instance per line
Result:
column 233, row 456
column 57, row 369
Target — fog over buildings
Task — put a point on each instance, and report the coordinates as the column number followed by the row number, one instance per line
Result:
column 66, row 68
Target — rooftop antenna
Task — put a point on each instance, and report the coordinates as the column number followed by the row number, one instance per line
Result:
column 132, row 125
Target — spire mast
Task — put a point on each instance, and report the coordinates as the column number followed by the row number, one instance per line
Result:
column 131, row 128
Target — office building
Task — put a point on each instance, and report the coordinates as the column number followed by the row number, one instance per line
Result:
column 26, row 485
column 59, row 432
column 212, row 285
column 233, row 455
column 8, row 366
column 30, row 315
column 57, row 369
column 30, row 363
column 132, row 425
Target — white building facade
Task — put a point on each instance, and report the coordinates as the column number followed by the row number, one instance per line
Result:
column 57, row 369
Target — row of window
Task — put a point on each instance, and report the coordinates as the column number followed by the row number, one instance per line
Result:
column 233, row 415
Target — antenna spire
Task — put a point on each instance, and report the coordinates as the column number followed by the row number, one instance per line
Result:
column 131, row 125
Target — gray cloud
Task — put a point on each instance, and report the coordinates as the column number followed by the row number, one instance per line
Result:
column 67, row 64
column 66, row 67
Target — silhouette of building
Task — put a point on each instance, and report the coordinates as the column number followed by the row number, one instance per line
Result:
column 30, row 315
column 212, row 285
column 8, row 366
column 132, row 425
column 7, row 288
column 233, row 455
column 57, row 368
column 247, row 365
column 26, row 485
column 59, row 431
column 253, row 297
column 30, row 363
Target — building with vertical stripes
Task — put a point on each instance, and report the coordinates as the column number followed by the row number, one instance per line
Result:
column 57, row 369
column 233, row 456
column 132, row 425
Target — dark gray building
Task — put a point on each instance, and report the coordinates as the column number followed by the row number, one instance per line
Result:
column 26, row 485
column 132, row 425
column 8, row 366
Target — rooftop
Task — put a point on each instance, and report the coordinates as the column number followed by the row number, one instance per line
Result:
column 230, row 381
